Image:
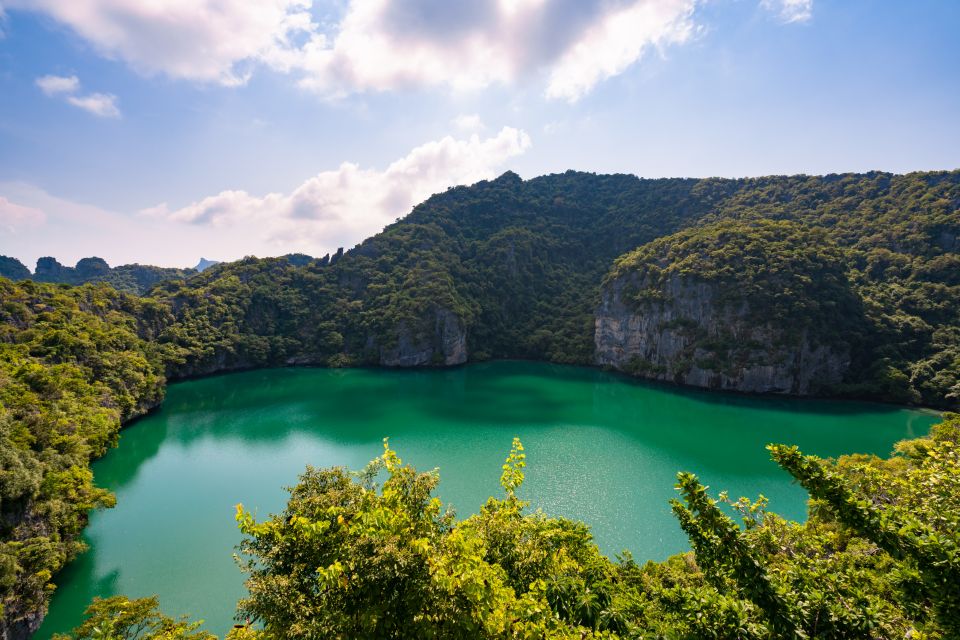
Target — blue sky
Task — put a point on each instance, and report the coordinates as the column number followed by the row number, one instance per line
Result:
column 159, row 132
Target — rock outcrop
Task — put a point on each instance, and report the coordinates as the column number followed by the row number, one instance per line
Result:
column 446, row 344
column 205, row 264
column 759, row 306
column 90, row 269
column 48, row 269
column 688, row 337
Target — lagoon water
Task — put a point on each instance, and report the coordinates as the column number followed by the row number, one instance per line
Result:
column 601, row 448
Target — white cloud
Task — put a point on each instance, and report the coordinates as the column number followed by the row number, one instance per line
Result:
column 468, row 123
column 54, row 85
column 99, row 104
column 790, row 10
column 380, row 45
column 191, row 39
column 343, row 206
column 335, row 208
column 385, row 45
column 103, row 105
column 618, row 41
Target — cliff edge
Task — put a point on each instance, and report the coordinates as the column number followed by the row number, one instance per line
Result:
column 756, row 306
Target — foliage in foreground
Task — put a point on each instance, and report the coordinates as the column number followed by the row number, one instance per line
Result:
column 352, row 557
column 119, row 618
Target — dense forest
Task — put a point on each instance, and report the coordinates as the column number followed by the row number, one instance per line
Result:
column 512, row 268
column 75, row 363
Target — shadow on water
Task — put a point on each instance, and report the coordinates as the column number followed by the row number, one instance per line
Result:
column 79, row 582
column 140, row 442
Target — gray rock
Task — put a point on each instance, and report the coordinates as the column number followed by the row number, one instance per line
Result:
column 446, row 344
column 686, row 336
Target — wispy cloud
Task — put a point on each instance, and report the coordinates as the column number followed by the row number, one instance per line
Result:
column 55, row 85
column 468, row 122
column 103, row 105
column 790, row 10
column 44, row 224
column 99, row 104
column 16, row 217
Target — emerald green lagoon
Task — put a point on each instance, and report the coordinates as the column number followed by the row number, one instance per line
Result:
column 601, row 448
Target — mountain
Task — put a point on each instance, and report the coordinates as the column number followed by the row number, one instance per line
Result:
column 296, row 259
column 524, row 269
column 130, row 278
column 204, row 264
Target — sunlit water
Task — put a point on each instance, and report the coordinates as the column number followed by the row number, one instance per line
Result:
column 601, row 448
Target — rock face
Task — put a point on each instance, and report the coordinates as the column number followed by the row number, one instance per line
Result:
column 205, row 264
column 445, row 345
column 688, row 337
column 49, row 270
column 24, row 628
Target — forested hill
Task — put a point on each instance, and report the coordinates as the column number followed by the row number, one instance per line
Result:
column 512, row 268
column 129, row 278
column 859, row 273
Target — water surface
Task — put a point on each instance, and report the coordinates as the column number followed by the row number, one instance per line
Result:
column 600, row 448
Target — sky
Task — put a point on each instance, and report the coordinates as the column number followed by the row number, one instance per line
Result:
column 160, row 131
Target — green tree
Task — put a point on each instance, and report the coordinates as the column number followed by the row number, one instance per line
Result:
column 119, row 618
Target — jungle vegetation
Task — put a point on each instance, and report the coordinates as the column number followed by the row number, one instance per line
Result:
column 75, row 363
column 520, row 263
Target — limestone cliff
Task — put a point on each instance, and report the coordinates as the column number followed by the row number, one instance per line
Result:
column 758, row 307
column 688, row 338
column 446, row 344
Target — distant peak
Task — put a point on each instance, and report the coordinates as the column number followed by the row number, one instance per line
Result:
column 509, row 177
column 205, row 264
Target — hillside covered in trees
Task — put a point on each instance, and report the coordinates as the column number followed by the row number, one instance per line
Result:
column 129, row 278
column 520, row 265
column 504, row 268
